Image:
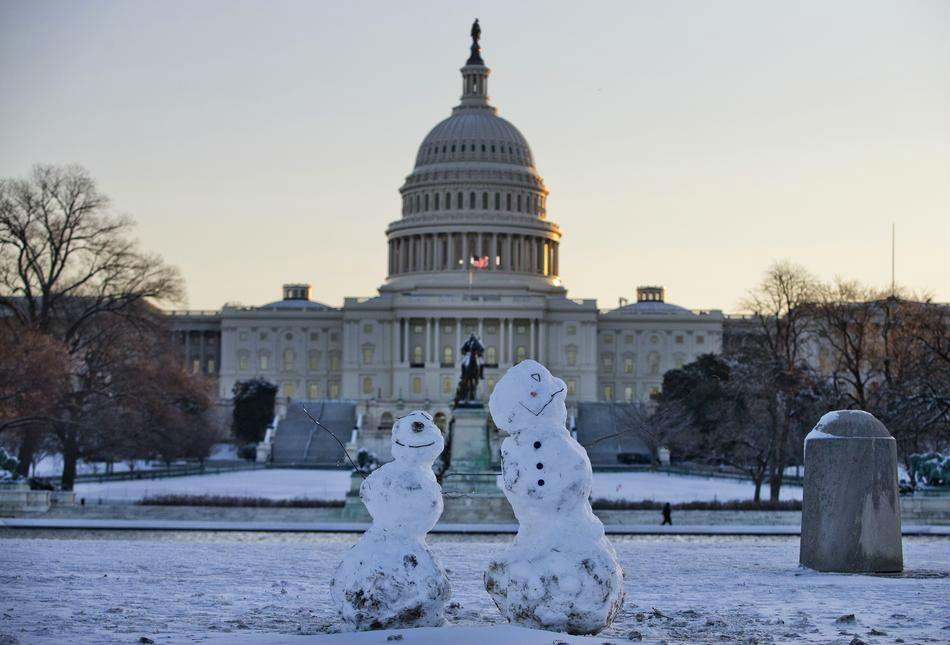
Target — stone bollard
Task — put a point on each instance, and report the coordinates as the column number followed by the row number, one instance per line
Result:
column 851, row 516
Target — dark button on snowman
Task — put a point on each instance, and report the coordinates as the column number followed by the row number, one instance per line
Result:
column 560, row 572
column 390, row 578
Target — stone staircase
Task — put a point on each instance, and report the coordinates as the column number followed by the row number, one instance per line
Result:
column 298, row 442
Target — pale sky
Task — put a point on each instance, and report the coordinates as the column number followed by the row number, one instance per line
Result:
column 688, row 144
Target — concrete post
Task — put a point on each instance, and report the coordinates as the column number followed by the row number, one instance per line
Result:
column 851, row 517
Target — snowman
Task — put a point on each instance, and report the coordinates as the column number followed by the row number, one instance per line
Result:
column 560, row 573
column 390, row 578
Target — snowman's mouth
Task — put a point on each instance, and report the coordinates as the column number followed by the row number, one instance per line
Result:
column 409, row 445
column 538, row 413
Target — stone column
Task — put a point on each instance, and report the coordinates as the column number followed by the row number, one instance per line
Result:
column 494, row 252
column 501, row 341
column 428, row 355
column 395, row 348
column 531, row 353
column 458, row 337
column 506, row 261
column 511, row 342
column 466, row 256
column 540, row 358
column 405, row 340
column 851, row 515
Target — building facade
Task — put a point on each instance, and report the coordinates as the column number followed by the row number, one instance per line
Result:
column 473, row 252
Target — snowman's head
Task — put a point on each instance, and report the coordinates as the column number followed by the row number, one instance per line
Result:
column 527, row 392
column 416, row 438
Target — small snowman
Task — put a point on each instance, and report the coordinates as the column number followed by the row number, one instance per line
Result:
column 390, row 578
column 560, row 573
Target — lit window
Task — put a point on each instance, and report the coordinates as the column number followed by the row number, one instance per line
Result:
column 289, row 359
column 491, row 329
column 368, row 351
column 210, row 366
column 334, row 360
column 287, row 390
column 264, row 360
column 521, row 329
column 447, row 355
column 417, row 354
column 489, row 384
column 313, row 391
column 607, row 360
column 654, row 361
column 195, row 365
column 571, row 356
column 447, row 385
column 654, row 392
column 608, row 393
column 679, row 360
column 521, row 353
column 242, row 359
column 571, row 387
column 628, row 393
column 491, row 355
column 313, row 359
column 628, row 364
column 367, row 385
column 417, row 329
column 416, row 385
column 334, row 390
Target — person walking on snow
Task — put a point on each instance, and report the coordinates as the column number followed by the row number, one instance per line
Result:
column 667, row 514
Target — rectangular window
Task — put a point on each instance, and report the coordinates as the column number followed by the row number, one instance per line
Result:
column 210, row 366
column 571, row 357
column 367, row 328
column 679, row 340
column 314, row 335
column 334, row 390
column 608, row 393
column 313, row 391
column 446, row 385
column 700, row 340
column 367, row 354
column 628, row 365
column 242, row 360
column 367, row 385
column 263, row 335
column 571, row 387
column 195, row 365
column 628, row 393
column 607, row 360
column 287, row 390
column 334, row 360
column 264, row 361
column 313, row 360
column 416, row 385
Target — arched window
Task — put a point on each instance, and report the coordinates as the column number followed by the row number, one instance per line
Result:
column 242, row 359
column 491, row 355
column 367, row 385
column 436, row 201
column 448, row 201
column 417, row 356
column 521, row 353
column 334, row 362
column 497, row 201
column 448, row 355
column 313, row 359
column 427, row 201
column 417, row 385
column 485, row 201
column 453, row 147
column 629, row 361
column 607, row 361
column 386, row 421
column 483, row 147
column 508, row 201
column 289, row 359
column 313, row 391
column 471, row 200
column 493, row 148
column 263, row 360
column 519, row 202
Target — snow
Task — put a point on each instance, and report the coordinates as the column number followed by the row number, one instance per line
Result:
column 469, row 635
column 273, row 588
column 661, row 487
column 391, row 578
column 560, row 572
column 333, row 484
column 271, row 484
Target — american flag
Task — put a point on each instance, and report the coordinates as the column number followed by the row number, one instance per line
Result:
column 479, row 262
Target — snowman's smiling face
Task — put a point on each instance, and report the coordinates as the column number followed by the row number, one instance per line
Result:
column 417, row 438
column 527, row 391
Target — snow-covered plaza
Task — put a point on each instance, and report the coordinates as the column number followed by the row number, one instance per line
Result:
column 176, row 587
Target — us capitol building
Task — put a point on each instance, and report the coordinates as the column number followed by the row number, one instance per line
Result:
column 473, row 251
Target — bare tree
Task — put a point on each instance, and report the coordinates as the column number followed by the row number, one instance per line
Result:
column 71, row 269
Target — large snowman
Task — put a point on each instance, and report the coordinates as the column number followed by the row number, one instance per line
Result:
column 560, row 573
column 390, row 578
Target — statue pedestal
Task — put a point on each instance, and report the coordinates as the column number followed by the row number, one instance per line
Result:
column 470, row 454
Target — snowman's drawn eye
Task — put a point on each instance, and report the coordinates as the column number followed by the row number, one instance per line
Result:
column 536, row 377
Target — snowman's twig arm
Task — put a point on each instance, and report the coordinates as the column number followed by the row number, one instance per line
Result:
column 335, row 438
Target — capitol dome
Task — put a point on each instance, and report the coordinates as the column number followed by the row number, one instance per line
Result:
column 474, row 208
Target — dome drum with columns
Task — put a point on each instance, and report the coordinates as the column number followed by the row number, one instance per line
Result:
column 474, row 193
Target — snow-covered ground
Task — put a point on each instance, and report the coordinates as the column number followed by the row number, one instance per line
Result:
column 661, row 487
column 271, row 484
column 269, row 588
column 333, row 484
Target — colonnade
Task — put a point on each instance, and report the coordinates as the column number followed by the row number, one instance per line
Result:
column 508, row 341
column 454, row 252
